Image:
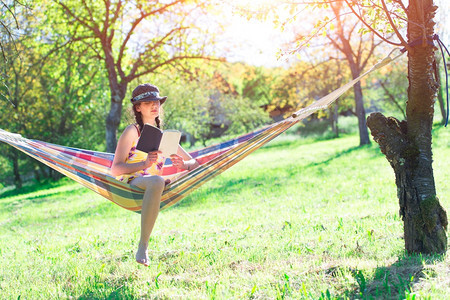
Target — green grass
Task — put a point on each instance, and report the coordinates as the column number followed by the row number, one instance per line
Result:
column 298, row 219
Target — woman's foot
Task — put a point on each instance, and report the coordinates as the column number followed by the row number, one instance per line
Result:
column 142, row 255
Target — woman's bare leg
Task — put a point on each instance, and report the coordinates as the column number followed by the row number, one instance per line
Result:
column 153, row 186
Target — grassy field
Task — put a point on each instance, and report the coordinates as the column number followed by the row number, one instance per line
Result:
column 298, row 219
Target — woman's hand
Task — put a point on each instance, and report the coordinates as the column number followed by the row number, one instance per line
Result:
column 152, row 157
column 178, row 161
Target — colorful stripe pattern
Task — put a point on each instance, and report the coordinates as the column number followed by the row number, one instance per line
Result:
column 92, row 168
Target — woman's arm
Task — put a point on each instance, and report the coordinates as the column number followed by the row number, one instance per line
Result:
column 119, row 165
column 183, row 160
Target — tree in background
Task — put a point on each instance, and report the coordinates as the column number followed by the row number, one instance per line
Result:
column 407, row 143
column 51, row 96
column 230, row 112
column 133, row 39
column 336, row 31
column 9, row 26
column 307, row 81
column 21, row 70
column 389, row 85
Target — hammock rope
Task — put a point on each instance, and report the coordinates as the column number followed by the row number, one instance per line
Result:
column 92, row 169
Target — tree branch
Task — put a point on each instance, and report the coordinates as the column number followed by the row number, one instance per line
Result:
column 106, row 21
column 141, row 58
column 392, row 98
column 372, row 50
column 390, row 134
column 83, row 22
column 399, row 2
column 116, row 12
column 89, row 11
column 173, row 59
column 399, row 36
column 137, row 22
column 370, row 27
column 12, row 13
column 312, row 36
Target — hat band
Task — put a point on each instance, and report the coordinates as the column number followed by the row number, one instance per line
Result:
column 145, row 95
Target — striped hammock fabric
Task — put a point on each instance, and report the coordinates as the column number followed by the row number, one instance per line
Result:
column 92, row 169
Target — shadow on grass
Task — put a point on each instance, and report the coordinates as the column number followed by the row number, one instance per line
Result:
column 119, row 288
column 38, row 199
column 33, row 187
column 231, row 186
column 392, row 282
column 236, row 185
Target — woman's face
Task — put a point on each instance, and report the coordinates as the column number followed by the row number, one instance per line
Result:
column 149, row 108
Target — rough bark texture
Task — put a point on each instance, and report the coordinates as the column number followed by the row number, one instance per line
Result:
column 118, row 90
column 407, row 144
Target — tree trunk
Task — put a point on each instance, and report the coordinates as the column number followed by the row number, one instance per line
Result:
column 359, row 104
column 17, row 178
column 407, row 144
column 361, row 114
column 118, row 91
column 334, row 115
column 112, row 123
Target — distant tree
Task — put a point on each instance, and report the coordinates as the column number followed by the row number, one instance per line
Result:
column 9, row 25
column 20, row 71
column 346, row 36
column 407, row 143
column 51, row 96
column 304, row 82
column 133, row 39
column 8, row 22
column 390, row 85
column 257, row 83
column 230, row 113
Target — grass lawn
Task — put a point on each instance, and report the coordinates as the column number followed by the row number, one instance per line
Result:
column 298, row 219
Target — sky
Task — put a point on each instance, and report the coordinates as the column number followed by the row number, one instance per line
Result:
column 255, row 42
column 251, row 40
column 258, row 43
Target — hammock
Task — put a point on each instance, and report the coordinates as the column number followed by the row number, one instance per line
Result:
column 92, row 168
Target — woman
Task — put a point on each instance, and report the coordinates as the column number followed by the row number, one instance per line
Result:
column 144, row 169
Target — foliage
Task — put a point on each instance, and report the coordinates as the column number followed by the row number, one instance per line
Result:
column 287, row 222
column 9, row 24
column 305, row 82
column 51, row 97
column 386, row 90
column 132, row 40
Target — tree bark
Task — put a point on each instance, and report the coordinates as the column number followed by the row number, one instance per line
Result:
column 118, row 90
column 112, row 123
column 17, row 178
column 361, row 115
column 359, row 103
column 407, row 144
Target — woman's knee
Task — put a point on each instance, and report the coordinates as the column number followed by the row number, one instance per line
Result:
column 154, row 182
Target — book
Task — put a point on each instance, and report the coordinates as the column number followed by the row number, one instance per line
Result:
column 154, row 139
